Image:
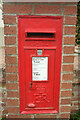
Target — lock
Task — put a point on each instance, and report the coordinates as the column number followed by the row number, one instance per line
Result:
column 31, row 84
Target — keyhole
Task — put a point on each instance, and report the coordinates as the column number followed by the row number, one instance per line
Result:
column 31, row 85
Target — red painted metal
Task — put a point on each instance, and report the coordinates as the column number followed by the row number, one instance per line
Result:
column 39, row 33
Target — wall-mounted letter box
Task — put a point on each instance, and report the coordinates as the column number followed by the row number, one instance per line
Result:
column 39, row 47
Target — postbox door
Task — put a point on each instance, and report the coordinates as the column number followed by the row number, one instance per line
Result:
column 39, row 76
column 39, row 48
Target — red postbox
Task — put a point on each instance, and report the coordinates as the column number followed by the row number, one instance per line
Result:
column 39, row 48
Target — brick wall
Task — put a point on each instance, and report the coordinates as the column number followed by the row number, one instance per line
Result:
column 11, row 12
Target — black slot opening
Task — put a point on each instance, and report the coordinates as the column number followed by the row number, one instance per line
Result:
column 40, row 35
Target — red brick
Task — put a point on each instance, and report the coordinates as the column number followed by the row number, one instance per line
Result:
column 68, row 59
column 10, row 40
column 10, row 50
column 68, row 68
column 66, row 86
column 47, row 9
column 66, row 93
column 69, row 30
column 65, row 115
column 17, row 8
column 11, row 77
column 69, row 40
column 13, row 109
column 65, row 108
column 11, row 69
column 9, row 19
column 12, row 86
column 70, row 20
column 70, row 10
column 12, row 102
column 10, row 60
column 45, row 116
column 65, row 101
column 12, row 94
column 67, row 77
column 68, row 49
column 10, row 30
column 20, row 116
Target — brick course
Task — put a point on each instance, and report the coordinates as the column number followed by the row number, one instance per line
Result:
column 13, row 109
column 12, row 94
column 68, row 59
column 8, row 19
column 70, row 10
column 65, row 101
column 10, row 50
column 12, row 102
column 67, row 77
column 66, row 86
column 65, row 115
column 69, row 40
column 47, row 9
column 70, row 20
column 11, row 77
column 11, row 86
column 68, row 49
column 10, row 30
column 11, row 60
column 66, row 93
column 9, row 40
column 20, row 116
column 69, row 30
column 45, row 116
column 11, row 68
column 68, row 68
column 65, row 108
column 14, row 8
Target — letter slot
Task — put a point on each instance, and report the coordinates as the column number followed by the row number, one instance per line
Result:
column 47, row 35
